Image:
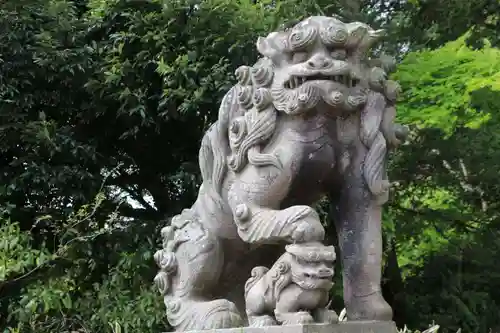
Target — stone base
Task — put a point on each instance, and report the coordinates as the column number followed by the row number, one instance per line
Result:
column 342, row 327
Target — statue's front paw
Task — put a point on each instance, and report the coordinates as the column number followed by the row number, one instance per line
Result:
column 307, row 225
column 325, row 316
column 294, row 318
column 307, row 232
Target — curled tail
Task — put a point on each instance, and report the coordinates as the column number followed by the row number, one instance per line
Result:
column 257, row 274
column 190, row 315
column 215, row 148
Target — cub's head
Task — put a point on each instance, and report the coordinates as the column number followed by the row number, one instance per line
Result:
column 311, row 266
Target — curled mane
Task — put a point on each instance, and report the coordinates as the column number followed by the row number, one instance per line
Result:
column 246, row 120
column 377, row 131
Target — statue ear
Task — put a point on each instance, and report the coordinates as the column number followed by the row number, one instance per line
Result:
column 274, row 46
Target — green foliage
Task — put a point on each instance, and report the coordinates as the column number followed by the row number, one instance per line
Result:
column 433, row 23
column 447, row 215
column 60, row 297
column 440, row 85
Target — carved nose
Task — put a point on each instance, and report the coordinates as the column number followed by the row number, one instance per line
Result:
column 319, row 62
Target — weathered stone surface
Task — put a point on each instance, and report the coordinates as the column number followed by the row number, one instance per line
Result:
column 313, row 116
column 343, row 327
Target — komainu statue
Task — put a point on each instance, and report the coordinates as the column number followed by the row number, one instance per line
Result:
column 313, row 116
column 296, row 289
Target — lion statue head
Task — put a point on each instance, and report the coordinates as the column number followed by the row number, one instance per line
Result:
column 321, row 64
column 321, row 59
column 311, row 266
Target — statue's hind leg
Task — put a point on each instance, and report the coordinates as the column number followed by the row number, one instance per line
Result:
column 191, row 263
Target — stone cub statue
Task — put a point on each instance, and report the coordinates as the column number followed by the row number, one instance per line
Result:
column 295, row 290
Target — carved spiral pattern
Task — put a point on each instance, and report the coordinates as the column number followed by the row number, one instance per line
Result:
column 377, row 78
column 258, row 271
column 242, row 74
column 302, row 37
column 308, row 96
column 339, row 54
column 373, row 138
column 238, row 130
column 356, row 33
column 242, row 212
column 389, row 129
column 281, row 269
column 168, row 262
column 335, row 98
column 232, row 162
column 245, row 97
column 392, row 90
column 355, row 102
column 162, row 282
column 262, row 98
column 334, row 35
column 262, row 76
column 312, row 256
column 261, row 126
column 173, row 306
column 158, row 257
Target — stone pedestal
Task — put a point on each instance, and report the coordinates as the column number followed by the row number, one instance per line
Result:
column 343, row 327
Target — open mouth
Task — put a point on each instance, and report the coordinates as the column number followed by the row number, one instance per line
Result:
column 296, row 81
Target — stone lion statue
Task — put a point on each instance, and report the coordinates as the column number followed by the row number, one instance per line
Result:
column 313, row 116
column 297, row 284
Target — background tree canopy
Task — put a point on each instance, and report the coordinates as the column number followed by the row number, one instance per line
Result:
column 103, row 104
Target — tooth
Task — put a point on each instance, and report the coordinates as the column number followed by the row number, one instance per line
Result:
column 296, row 81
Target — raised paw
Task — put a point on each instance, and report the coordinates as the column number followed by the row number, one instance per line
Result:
column 325, row 316
column 261, row 321
column 294, row 318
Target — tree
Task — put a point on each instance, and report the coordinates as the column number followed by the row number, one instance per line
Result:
column 444, row 211
column 424, row 23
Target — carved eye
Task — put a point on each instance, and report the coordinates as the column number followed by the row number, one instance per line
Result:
column 299, row 39
column 299, row 57
column 296, row 36
column 337, row 35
